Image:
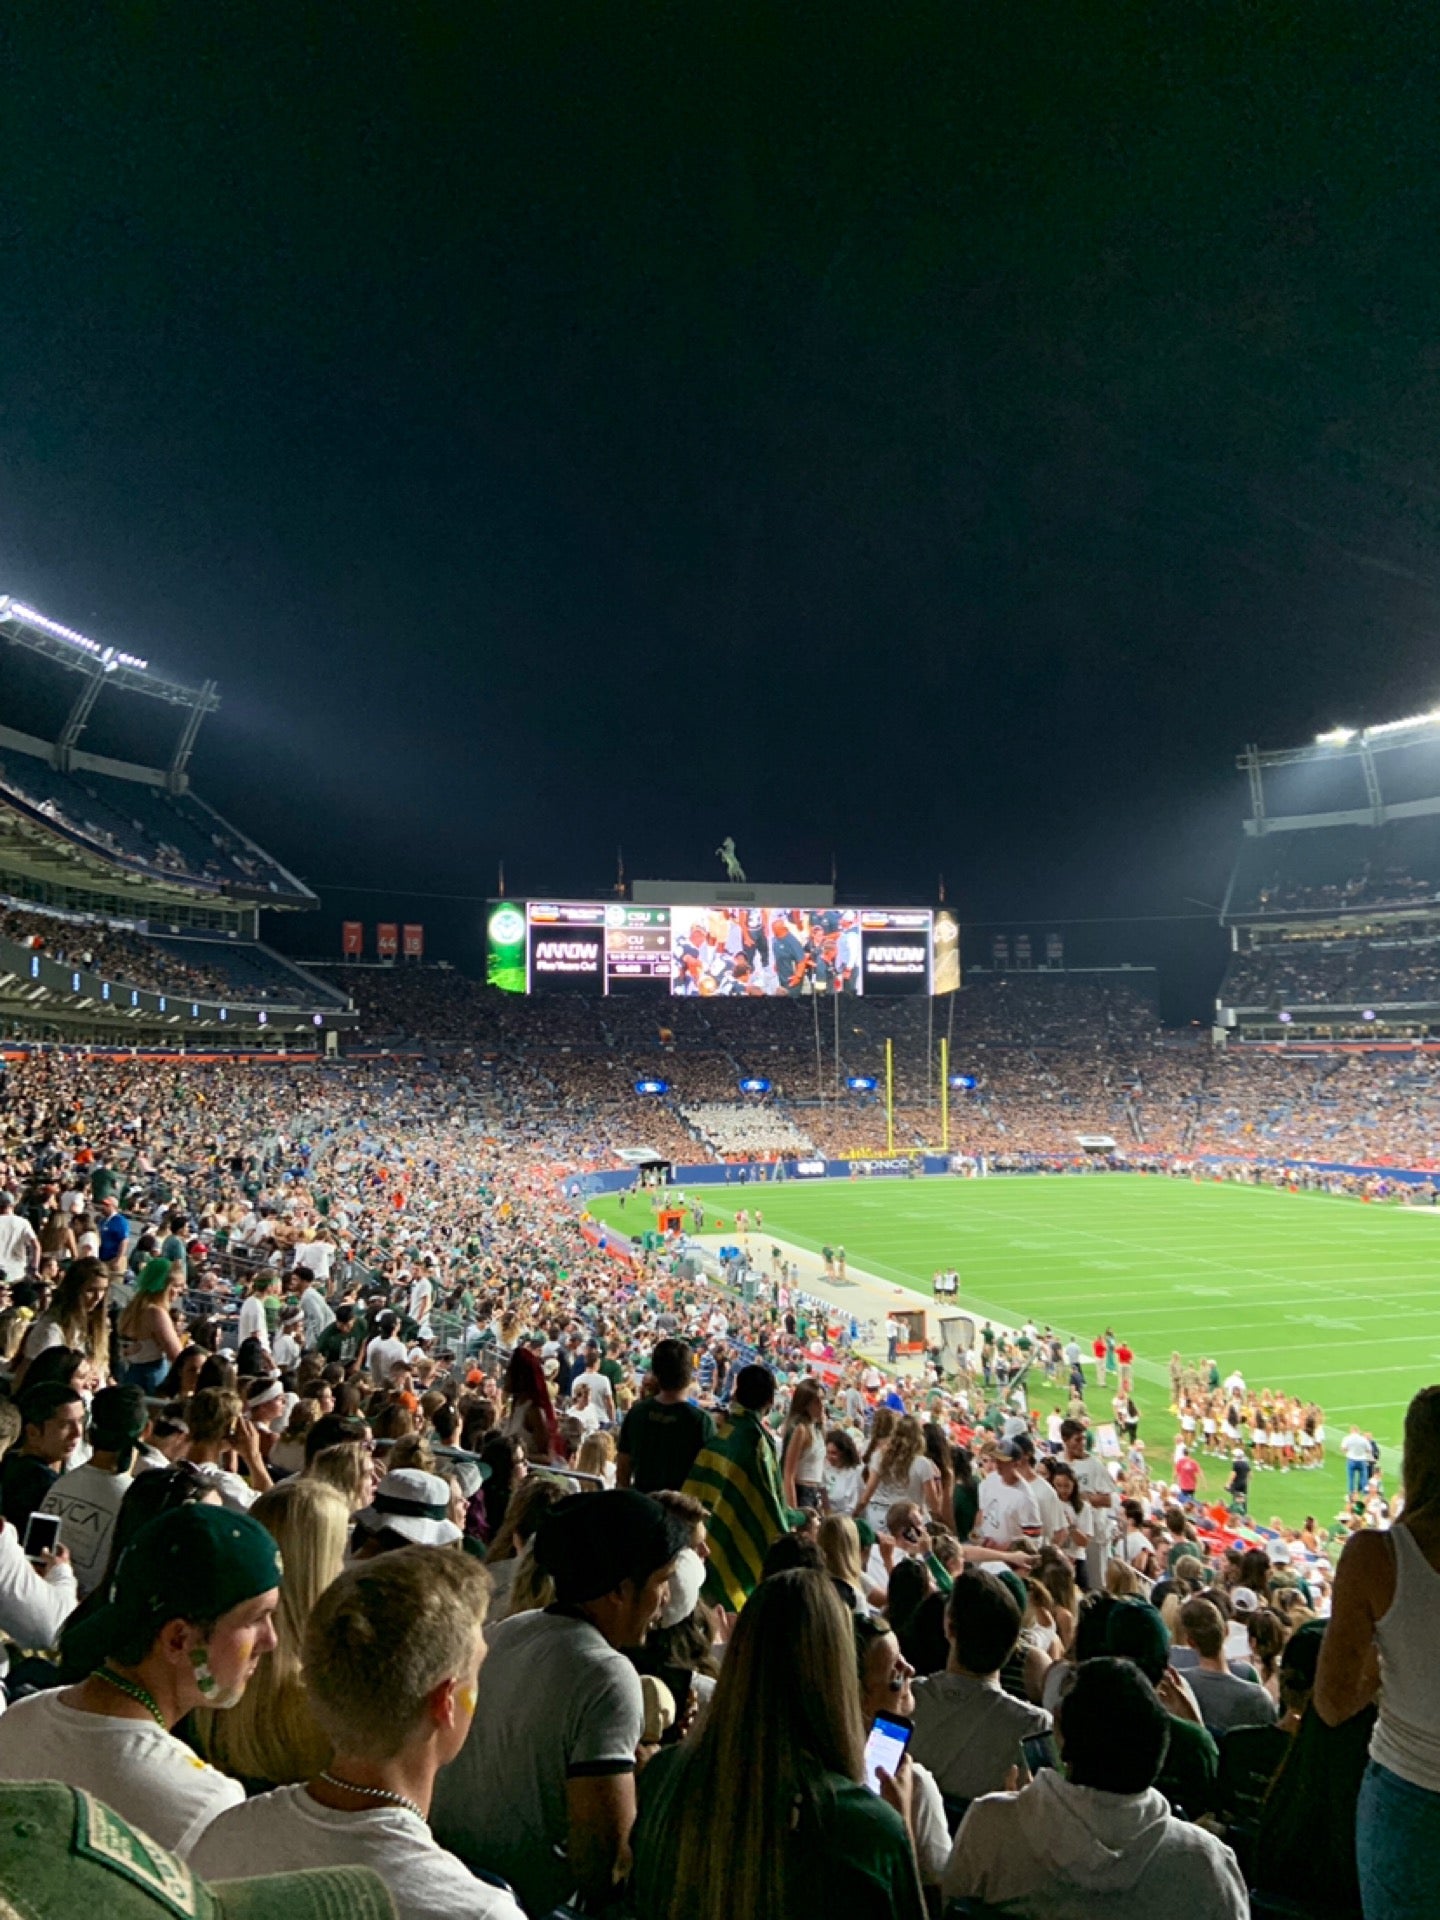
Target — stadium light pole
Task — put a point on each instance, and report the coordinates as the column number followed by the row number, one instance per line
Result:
column 889, row 1097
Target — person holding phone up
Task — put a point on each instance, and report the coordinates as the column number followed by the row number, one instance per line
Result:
column 887, row 1704
column 36, row 1596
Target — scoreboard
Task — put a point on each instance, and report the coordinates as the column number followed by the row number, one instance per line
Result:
column 616, row 947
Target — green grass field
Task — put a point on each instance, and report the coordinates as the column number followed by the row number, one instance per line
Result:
column 1325, row 1297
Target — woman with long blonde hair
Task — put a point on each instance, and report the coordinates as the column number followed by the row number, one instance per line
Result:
column 597, row 1457
column 764, row 1813
column 902, row 1471
column 839, row 1544
column 349, row 1467
column 271, row 1737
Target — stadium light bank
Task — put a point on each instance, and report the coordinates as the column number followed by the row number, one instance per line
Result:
column 110, row 656
column 1342, row 736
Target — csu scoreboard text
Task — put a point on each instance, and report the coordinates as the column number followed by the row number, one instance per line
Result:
column 605, row 947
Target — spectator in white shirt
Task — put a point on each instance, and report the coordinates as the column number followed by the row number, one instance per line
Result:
column 34, row 1600
column 1009, row 1516
column 385, row 1352
column 19, row 1248
column 393, row 1653
column 598, row 1387
column 1099, row 1493
column 316, row 1309
column 254, row 1322
column 88, row 1497
column 189, row 1618
column 289, row 1339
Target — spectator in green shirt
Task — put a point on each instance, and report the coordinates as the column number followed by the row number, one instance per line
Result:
column 663, row 1432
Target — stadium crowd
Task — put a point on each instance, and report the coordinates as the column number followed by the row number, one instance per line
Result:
column 115, row 952
column 310, row 1360
column 1353, row 973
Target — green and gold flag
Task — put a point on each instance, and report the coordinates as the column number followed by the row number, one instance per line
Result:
column 737, row 1480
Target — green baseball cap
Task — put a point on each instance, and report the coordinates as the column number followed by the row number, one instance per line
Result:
column 194, row 1563
column 63, row 1852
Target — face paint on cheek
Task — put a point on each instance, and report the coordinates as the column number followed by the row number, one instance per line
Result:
column 204, row 1678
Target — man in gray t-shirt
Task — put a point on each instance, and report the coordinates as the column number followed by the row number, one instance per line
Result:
column 543, row 1791
column 1224, row 1699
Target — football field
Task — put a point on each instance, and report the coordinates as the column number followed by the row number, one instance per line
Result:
column 1325, row 1297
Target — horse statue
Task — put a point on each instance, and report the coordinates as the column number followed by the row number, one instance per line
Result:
column 726, row 852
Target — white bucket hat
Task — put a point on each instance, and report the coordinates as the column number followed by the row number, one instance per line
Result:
column 413, row 1504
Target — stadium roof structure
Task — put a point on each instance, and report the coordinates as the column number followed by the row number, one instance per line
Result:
column 96, row 823
column 1343, row 832
column 1347, row 777
column 87, row 840
column 100, row 666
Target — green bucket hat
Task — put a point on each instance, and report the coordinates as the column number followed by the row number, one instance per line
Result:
column 62, row 1852
column 194, row 1563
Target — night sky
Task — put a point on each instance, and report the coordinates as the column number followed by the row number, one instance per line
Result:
column 939, row 436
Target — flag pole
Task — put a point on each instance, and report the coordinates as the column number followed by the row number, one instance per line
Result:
column 889, row 1096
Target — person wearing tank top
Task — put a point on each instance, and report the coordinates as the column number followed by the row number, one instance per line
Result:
column 1383, row 1645
column 803, row 1449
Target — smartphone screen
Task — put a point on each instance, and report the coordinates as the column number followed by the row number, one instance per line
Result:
column 42, row 1534
column 885, row 1748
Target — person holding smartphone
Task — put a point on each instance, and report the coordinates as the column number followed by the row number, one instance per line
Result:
column 887, row 1706
column 37, row 1595
column 764, row 1812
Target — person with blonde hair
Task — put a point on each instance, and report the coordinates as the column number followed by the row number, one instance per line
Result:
column 219, row 1430
column 1121, row 1580
column 764, row 1812
column 534, row 1497
column 392, row 1658
column 902, row 1470
column 597, row 1457
column 839, row 1542
column 1382, row 1626
column 272, row 1737
column 349, row 1467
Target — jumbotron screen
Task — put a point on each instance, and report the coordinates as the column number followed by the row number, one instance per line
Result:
column 605, row 947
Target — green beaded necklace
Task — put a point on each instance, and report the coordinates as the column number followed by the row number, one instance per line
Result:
column 135, row 1691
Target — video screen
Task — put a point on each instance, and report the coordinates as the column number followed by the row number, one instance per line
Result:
column 566, row 949
column 895, row 951
column 759, row 952
column 637, row 949
column 615, row 947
